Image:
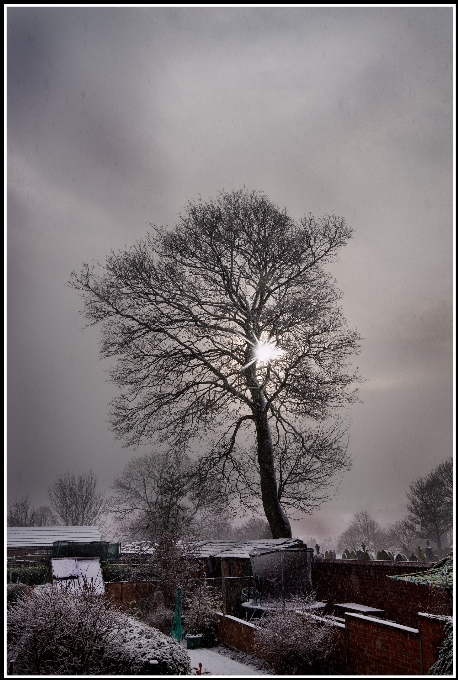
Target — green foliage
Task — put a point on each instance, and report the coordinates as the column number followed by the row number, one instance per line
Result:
column 14, row 591
column 31, row 576
column 114, row 573
column 400, row 558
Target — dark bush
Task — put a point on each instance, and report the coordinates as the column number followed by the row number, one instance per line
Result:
column 31, row 576
column 117, row 572
column 294, row 642
column 14, row 591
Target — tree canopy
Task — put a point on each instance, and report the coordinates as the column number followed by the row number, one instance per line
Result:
column 76, row 499
column 229, row 340
column 155, row 495
column 430, row 506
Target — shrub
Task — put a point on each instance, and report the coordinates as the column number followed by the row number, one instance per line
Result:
column 31, row 576
column 201, row 607
column 141, row 644
column 160, row 618
column 59, row 631
column 14, row 591
column 294, row 642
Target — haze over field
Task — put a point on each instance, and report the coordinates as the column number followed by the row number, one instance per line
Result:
column 116, row 116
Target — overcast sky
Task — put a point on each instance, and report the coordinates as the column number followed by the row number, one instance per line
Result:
column 117, row 116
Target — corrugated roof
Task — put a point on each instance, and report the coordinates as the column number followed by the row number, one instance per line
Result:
column 44, row 537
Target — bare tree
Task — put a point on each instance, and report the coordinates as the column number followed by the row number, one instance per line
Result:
column 254, row 528
column 22, row 514
column 363, row 529
column 228, row 337
column 19, row 513
column 430, row 507
column 76, row 499
column 156, row 494
column 403, row 534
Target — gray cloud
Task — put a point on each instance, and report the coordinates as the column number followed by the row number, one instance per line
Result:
column 116, row 116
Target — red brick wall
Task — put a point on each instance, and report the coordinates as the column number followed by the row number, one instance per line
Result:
column 236, row 633
column 366, row 583
column 377, row 647
column 431, row 635
column 365, row 646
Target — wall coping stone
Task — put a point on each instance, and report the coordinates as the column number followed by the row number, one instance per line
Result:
column 382, row 622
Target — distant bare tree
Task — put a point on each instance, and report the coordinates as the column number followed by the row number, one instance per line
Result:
column 19, row 513
column 430, row 507
column 157, row 493
column 228, row 336
column 22, row 514
column 403, row 535
column 363, row 529
column 76, row 499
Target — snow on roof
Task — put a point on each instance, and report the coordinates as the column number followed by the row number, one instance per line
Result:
column 243, row 549
column 44, row 537
column 236, row 549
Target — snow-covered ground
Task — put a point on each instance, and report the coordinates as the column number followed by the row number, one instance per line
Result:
column 217, row 663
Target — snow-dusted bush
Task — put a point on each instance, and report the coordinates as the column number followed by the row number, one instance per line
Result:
column 294, row 642
column 60, row 632
column 140, row 645
column 65, row 632
column 161, row 618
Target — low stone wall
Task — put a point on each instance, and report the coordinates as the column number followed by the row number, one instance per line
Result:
column 378, row 647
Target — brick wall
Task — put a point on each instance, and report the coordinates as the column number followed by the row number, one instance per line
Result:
column 377, row 647
column 431, row 636
column 365, row 645
column 236, row 633
column 366, row 582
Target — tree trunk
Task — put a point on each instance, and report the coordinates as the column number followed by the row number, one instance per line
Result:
column 278, row 521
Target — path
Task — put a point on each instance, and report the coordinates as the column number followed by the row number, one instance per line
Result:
column 220, row 664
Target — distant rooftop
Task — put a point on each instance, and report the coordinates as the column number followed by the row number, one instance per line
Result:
column 44, row 537
column 239, row 549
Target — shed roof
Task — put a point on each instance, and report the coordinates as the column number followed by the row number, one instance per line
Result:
column 243, row 549
column 44, row 537
column 236, row 549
